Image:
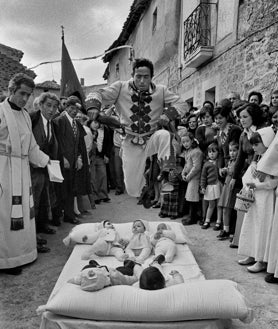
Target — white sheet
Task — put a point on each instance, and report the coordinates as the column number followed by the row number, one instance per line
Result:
column 184, row 263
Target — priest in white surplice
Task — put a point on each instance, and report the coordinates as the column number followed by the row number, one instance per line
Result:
column 17, row 148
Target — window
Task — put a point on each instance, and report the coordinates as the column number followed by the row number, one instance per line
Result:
column 190, row 102
column 210, row 95
column 154, row 19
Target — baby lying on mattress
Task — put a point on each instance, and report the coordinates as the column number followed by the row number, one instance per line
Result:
column 108, row 242
column 94, row 277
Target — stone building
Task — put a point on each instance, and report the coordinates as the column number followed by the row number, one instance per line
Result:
column 10, row 65
column 202, row 49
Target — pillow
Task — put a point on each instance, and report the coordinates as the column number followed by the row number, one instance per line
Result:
column 208, row 299
column 124, row 229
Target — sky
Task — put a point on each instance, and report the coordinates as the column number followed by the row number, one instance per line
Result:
column 90, row 27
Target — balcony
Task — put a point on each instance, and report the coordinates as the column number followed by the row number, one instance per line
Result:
column 197, row 36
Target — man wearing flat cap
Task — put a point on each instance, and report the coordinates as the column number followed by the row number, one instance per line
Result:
column 141, row 106
column 70, row 135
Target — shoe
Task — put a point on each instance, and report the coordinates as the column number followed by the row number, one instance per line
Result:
column 42, row 249
column 119, row 192
column 162, row 215
column 257, row 267
column 97, row 201
column 246, row 261
column 46, row 230
column 106, row 200
column 269, row 278
column 201, row 222
column 72, row 220
column 188, row 221
column 223, row 235
column 158, row 259
column 234, row 246
column 156, row 205
column 217, row 227
column 174, row 217
column 41, row 241
column 12, row 271
column 206, row 225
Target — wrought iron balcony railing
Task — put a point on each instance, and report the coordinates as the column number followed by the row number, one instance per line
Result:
column 197, row 30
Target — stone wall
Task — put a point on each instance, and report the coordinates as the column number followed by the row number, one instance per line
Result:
column 250, row 63
column 10, row 65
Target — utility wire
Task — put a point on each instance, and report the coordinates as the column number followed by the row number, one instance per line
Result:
column 83, row 59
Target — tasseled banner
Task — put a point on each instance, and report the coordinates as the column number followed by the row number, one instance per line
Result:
column 32, row 209
column 17, row 214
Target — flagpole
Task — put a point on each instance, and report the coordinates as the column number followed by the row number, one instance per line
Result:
column 62, row 27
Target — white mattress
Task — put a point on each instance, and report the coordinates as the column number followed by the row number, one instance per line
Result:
column 184, row 262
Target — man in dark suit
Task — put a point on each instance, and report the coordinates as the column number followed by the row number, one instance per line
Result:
column 70, row 134
column 42, row 127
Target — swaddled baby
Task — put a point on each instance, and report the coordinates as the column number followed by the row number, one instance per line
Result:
column 107, row 243
column 139, row 247
column 94, row 277
column 163, row 242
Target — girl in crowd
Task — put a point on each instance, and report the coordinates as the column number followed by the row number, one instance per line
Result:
column 228, row 195
column 227, row 133
column 257, row 221
column 206, row 133
column 211, row 186
column 251, row 119
column 170, row 200
column 191, row 174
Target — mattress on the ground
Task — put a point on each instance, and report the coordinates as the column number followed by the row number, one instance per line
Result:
column 196, row 299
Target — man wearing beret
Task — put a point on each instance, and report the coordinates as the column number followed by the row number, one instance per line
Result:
column 141, row 106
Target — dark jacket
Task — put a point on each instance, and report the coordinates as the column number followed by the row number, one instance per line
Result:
column 48, row 147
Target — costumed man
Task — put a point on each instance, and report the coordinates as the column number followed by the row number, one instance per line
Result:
column 70, row 134
column 141, row 106
column 18, row 147
column 43, row 131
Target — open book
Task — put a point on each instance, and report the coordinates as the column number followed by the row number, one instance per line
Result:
column 54, row 171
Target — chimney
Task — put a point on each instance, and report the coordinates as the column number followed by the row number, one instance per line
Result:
column 82, row 82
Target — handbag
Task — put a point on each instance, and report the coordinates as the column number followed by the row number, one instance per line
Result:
column 244, row 199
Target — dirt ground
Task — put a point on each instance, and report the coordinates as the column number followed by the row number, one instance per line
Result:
column 21, row 295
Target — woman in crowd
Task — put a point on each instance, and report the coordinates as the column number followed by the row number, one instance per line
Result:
column 255, row 97
column 251, row 119
column 192, row 123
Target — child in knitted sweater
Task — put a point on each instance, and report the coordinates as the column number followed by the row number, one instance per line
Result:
column 211, row 186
